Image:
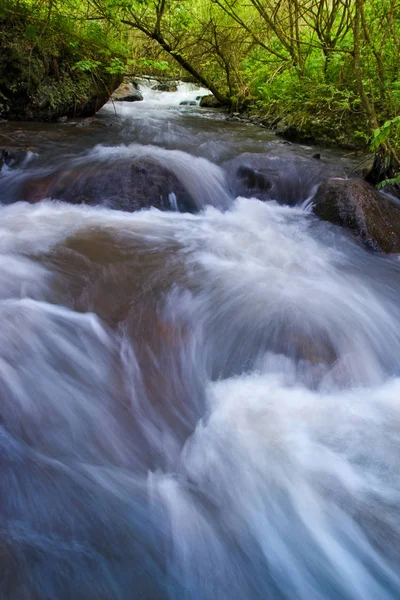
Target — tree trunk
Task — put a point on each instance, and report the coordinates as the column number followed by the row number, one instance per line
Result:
column 157, row 36
column 368, row 106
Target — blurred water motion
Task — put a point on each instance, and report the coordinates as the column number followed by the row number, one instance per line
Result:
column 195, row 406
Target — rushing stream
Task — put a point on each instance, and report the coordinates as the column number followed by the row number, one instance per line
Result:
column 194, row 405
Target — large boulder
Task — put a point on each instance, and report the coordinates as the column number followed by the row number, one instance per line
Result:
column 124, row 184
column 356, row 205
column 278, row 175
column 127, row 92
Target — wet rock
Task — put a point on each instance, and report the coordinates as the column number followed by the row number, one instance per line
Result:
column 13, row 157
column 364, row 168
column 127, row 92
column 356, row 205
column 172, row 86
column 63, row 119
column 127, row 185
column 32, row 106
column 282, row 176
column 392, row 191
column 94, row 122
column 3, row 156
column 210, row 101
column 188, row 103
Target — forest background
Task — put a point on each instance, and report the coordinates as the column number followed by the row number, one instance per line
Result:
column 319, row 70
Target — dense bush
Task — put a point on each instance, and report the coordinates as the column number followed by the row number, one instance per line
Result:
column 52, row 66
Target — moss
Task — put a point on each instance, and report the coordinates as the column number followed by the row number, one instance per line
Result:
column 351, row 132
column 312, row 112
column 38, row 80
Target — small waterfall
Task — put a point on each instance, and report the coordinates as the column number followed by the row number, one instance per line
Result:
column 125, row 178
column 186, row 92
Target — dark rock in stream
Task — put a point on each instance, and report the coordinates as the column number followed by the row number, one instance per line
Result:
column 210, row 101
column 282, row 176
column 172, row 86
column 356, row 205
column 235, row 118
column 4, row 157
column 123, row 185
column 94, row 122
column 13, row 157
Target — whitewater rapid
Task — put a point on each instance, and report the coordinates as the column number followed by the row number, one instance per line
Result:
column 195, row 406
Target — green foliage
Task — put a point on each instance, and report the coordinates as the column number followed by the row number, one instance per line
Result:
column 86, row 65
column 152, row 64
column 388, row 132
column 116, row 67
column 51, row 66
column 386, row 142
column 391, row 181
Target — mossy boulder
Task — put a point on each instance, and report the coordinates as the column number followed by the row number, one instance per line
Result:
column 307, row 117
column 40, row 78
column 210, row 101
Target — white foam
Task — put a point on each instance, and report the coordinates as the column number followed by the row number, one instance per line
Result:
column 241, row 480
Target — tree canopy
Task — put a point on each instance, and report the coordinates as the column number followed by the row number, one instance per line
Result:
column 329, row 59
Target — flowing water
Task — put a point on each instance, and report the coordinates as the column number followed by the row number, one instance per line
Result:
column 193, row 406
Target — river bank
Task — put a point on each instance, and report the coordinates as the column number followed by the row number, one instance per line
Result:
column 333, row 121
column 348, row 131
column 50, row 69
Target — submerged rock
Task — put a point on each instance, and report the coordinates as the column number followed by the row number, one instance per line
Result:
column 122, row 185
column 356, row 205
column 13, row 157
column 94, row 122
column 188, row 103
column 235, row 118
column 127, row 92
column 4, row 157
column 172, row 86
column 282, row 176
